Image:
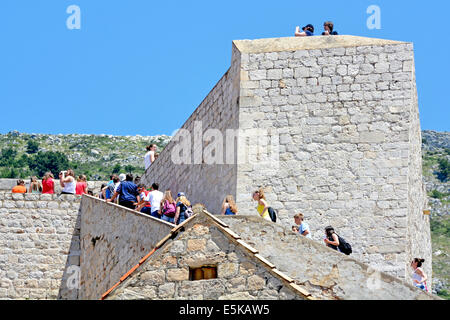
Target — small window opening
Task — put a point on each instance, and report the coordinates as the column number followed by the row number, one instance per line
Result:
column 203, row 273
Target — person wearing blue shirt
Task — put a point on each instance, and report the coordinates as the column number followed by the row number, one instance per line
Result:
column 128, row 193
column 303, row 227
column 308, row 31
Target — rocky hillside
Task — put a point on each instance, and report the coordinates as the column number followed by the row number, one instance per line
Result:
column 97, row 156
column 436, row 159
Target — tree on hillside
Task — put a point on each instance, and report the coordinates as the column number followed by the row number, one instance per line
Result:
column 116, row 168
column 42, row 162
column 32, row 146
column 8, row 157
column 444, row 169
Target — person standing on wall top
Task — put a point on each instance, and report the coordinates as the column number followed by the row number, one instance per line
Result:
column 331, row 239
column 303, row 227
column 155, row 197
column 35, row 186
column 20, row 187
column 308, row 31
column 48, row 185
column 67, row 182
column 419, row 277
column 150, row 155
column 328, row 27
column 127, row 193
column 229, row 207
column 81, row 187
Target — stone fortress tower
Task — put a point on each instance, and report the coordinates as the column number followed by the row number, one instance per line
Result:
column 337, row 121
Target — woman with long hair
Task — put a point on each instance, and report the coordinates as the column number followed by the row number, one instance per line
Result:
column 81, row 187
column 263, row 206
column 35, row 185
column 48, row 185
column 182, row 205
column 168, row 207
column 229, row 207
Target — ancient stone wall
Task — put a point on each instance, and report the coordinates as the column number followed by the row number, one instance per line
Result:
column 8, row 184
column 39, row 242
column 200, row 181
column 113, row 240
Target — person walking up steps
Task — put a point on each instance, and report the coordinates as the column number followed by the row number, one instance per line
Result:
column 263, row 208
column 229, row 207
column 419, row 277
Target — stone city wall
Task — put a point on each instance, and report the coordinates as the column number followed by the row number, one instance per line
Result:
column 39, row 241
column 113, row 240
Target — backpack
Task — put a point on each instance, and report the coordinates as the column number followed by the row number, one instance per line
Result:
column 272, row 214
column 344, row 246
column 188, row 212
column 169, row 209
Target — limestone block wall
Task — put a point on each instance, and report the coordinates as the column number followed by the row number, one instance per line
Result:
column 200, row 181
column 166, row 274
column 325, row 273
column 349, row 148
column 113, row 239
column 39, row 241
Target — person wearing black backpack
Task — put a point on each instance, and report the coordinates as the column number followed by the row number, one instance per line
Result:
column 334, row 241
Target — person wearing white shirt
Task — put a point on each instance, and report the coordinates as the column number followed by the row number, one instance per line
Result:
column 150, row 155
column 155, row 197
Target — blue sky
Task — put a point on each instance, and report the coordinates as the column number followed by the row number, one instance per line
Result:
column 142, row 67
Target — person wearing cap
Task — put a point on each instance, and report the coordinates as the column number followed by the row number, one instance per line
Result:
column 182, row 205
column 328, row 27
column 308, row 31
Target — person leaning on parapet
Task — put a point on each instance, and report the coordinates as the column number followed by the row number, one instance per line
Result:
column 150, row 155
column 127, row 193
column 328, row 26
column 35, row 185
column 308, row 31
column 67, row 182
column 20, row 187
column 48, row 185
column 229, row 207
column 419, row 277
column 303, row 227
column 81, row 187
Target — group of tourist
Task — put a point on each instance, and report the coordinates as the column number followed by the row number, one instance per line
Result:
column 134, row 195
column 308, row 30
column 67, row 181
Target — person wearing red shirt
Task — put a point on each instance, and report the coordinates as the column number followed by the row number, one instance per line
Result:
column 48, row 186
column 81, row 187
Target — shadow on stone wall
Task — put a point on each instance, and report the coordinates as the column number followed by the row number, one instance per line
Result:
column 70, row 283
